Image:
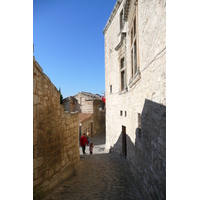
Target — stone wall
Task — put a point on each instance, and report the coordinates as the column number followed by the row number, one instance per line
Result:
column 145, row 93
column 86, row 125
column 98, row 117
column 55, row 136
column 94, row 123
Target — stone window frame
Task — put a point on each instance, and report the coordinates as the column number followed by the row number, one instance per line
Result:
column 134, row 43
column 122, row 72
column 110, row 89
column 121, row 19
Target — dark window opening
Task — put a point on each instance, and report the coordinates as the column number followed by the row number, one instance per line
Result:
column 135, row 58
column 134, row 24
column 110, row 88
column 121, row 20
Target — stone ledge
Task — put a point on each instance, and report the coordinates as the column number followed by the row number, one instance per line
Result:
column 134, row 79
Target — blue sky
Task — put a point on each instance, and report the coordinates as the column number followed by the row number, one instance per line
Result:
column 69, row 43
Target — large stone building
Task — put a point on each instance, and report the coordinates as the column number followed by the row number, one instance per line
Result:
column 91, row 120
column 81, row 102
column 135, row 81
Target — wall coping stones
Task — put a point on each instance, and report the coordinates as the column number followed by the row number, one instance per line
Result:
column 118, row 3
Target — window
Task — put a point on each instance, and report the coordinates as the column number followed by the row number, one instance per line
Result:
column 131, row 36
column 134, row 60
column 121, row 112
column 122, row 63
column 110, row 88
column 134, row 25
column 125, row 114
column 123, row 78
column 121, row 20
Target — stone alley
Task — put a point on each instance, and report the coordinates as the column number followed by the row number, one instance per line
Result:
column 102, row 175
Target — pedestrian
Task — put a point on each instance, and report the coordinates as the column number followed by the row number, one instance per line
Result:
column 83, row 142
column 91, row 147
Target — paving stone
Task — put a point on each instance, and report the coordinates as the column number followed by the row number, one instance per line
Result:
column 100, row 177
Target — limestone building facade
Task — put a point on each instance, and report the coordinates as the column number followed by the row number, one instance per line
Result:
column 135, row 85
column 81, row 102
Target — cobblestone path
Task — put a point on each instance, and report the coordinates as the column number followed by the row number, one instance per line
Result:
column 100, row 177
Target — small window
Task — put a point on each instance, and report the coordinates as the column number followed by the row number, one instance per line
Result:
column 135, row 74
column 131, row 36
column 125, row 114
column 121, row 112
column 132, row 63
column 135, row 58
column 134, row 24
column 121, row 20
column 110, row 88
column 122, row 63
column 123, row 78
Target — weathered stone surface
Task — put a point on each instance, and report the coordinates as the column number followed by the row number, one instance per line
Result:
column 49, row 124
column 144, row 92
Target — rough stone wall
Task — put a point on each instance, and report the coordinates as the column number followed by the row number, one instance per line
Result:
column 150, row 150
column 124, row 107
column 98, row 117
column 55, row 136
column 86, row 125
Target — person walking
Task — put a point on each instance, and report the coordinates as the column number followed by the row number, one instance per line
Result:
column 83, row 142
column 91, row 147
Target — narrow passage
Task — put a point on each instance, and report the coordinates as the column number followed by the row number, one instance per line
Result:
column 101, row 176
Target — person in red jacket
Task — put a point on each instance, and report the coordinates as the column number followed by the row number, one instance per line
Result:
column 83, row 142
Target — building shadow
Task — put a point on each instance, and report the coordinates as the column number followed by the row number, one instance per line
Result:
column 99, row 138
column 146, row 153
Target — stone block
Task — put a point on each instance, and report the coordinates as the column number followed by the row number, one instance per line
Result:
column 37, row 162
column 35, row 137
column 37, row 181
column 35, row 99
column 39, row 86
column 160, row 141
column 38, row 172
column 51, row 172
column 34, row 86
column 37, row 151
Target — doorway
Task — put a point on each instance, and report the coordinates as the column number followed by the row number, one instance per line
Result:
column 124, row 145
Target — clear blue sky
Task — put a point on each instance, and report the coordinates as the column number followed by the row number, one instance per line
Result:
column 69, row 43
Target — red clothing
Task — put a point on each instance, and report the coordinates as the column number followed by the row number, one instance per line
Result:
column 83, row 140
